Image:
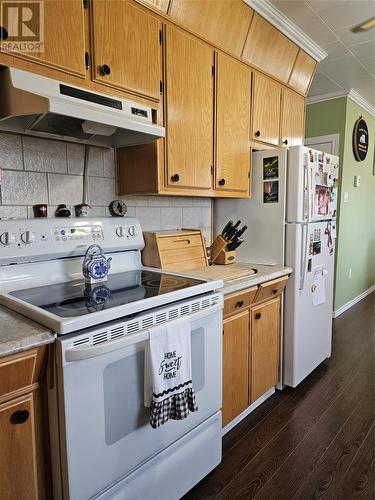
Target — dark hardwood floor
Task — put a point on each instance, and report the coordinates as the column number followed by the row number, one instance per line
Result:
column 315, row 441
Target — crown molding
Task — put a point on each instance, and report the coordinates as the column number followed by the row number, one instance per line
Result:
column 351, row 94
column 286, row 26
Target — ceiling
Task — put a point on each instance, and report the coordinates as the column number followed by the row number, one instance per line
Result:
column 351, row 56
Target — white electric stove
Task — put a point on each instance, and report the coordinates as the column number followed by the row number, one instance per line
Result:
column 102, row 444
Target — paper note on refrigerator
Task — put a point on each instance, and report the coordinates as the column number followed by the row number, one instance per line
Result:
column 318, row 286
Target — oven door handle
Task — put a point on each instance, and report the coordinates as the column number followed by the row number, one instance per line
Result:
column 86, row 352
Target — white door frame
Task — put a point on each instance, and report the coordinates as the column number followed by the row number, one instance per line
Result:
column 333, row 139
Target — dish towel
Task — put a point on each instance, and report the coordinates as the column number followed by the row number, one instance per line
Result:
column 168, row 389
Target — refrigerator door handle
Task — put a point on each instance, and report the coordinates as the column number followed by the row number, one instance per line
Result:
column 305, row 233
column 307, row 209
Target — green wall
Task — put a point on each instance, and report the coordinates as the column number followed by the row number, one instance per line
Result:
column 355, row 245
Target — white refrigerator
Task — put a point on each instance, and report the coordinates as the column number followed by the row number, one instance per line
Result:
column 291, row 219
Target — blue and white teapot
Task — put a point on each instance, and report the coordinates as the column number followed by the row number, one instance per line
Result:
column 95, row 265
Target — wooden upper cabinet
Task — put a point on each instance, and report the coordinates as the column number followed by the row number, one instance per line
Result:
column 232, row 124
column 303, row 72
column 292, row 118
column 269, row 50
column 189, row 110
column 161, row 5
column 235, row 366
column 266, row 94
column 265, row 348
column 64, row 36
column 225, row 23
column 126, row 47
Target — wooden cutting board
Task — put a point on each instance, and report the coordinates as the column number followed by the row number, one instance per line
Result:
column 225, row 273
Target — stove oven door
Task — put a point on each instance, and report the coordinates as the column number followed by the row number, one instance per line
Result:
column 103, row 424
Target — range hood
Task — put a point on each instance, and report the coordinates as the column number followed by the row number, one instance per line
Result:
column 37, row 105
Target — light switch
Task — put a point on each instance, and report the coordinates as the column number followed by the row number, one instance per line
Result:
column 346, row 196
column 357, row 181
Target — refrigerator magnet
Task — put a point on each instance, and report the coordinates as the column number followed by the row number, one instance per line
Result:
column 317, row 234
column 317, row 247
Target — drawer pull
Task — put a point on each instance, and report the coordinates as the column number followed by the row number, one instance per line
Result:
column 239, row 303
column 105, row 70
column 221, row 182
column 257, row 133
column 258, row 315
column 19, row 417
column 179, row 241
column 175, row 178
column 274, row 291
column 3, row 33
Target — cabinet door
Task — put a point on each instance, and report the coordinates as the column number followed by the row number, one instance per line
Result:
column 189, row 111
column 266, row 109
column 292, row 118
column 232, row 124
column 18, row 455
column 265, row 348
column 126, row 45
column 63, row 33
column 235, row 366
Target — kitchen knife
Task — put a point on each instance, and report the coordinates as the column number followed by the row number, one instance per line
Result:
column 228, row 226
column 233, row 245
column 240, row 232
column 229, row 235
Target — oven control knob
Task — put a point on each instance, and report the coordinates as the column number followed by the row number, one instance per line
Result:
column 28, row 237
column 132, row 231
column 120, row 232
column 7, row 239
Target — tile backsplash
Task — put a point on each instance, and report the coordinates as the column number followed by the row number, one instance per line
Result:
column 35, row 171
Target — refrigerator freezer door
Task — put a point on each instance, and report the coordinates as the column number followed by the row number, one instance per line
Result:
column 308, row 299
column 312, row 185
column 263, row 213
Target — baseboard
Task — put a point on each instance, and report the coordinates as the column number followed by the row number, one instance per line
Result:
column 351, row 303
column 248, row 410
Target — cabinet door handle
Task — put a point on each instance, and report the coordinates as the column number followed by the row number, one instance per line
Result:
column 221, row 182
column 3, row 33
column 175, row 178
column 258, row 315
column 274, row 291
column 257, row 133
column 285, row 142
column 19, row 417
column 105, row 70
column 239, row 303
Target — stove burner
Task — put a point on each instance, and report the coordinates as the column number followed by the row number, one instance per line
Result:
column 149, row 280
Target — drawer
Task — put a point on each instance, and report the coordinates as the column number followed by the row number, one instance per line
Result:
column 271, row 289
column 183, row 242
column 238, row 301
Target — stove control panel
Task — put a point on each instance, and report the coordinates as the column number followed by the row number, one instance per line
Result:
column 29, row 240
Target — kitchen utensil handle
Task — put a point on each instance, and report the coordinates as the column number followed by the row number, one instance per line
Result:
column 305, row 233
column 87, row 352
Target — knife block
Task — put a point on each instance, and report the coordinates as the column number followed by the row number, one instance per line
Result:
column 219, row 252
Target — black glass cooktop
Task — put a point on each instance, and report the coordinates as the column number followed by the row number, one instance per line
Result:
column 77, row 298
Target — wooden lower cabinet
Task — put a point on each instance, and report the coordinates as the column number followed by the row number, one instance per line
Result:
column 265, row 348
column 235, row 366
column 24, row 460
column 251, row 347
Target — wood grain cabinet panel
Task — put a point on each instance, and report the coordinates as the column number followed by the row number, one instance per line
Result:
column 266, row 96
column 303, row 72
column 161, row 5
column 265, row 348
column 189, row 111
column 235, row 366
column 292, row 118
column 126, row 47
column 224, row 23
column 270, row 50
column 64, row 36
column 233, row 83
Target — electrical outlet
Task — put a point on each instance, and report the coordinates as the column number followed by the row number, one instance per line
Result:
column 350, row 273
column 346, row 197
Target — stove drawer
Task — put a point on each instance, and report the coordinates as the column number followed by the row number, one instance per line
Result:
column 20, row 371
